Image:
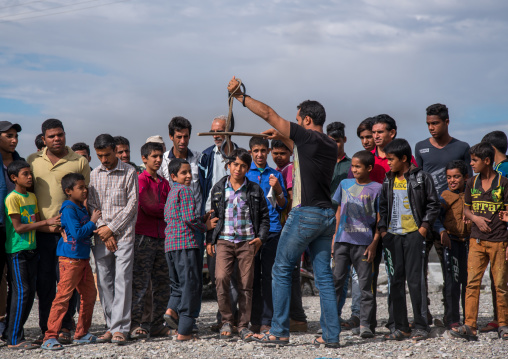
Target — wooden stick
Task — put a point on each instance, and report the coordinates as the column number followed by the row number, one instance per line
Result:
column 232, row 134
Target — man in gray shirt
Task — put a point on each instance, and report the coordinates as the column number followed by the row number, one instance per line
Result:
column 432, row 155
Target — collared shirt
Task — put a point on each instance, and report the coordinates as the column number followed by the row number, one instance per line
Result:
column 152, row 199
column 193, row 159
column 182, row 220
column 115, row 193
column 47, row 179
column 219, row 170
column 237, row 222
column 381, row 167
column 261, row 176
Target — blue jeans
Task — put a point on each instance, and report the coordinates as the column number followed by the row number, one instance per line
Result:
column 311, row 227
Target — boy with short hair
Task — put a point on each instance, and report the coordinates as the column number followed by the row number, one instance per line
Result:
column 243, row 226
column 281, row 155
column 149, row 259
column 486, row 197
column 408, row 208
column 499, row 141
column 22, row 220
column 454, row 237
column 356, row 236
column 182, row 250
column 73, row 251
column 272, row 183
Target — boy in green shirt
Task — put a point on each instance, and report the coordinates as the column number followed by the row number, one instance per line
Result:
column 22, row 219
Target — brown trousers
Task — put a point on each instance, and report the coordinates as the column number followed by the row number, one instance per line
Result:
column 480, row 254
column 226, row 253
column 74, row 274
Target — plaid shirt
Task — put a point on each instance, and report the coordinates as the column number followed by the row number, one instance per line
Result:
column 180, row 216
column 237, row 222
column 115, row 193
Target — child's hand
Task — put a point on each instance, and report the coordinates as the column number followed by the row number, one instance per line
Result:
column 55, row 221
column 445, row 240
column 96, row 214
column 370, row 252
column 210, row 250
column 211, row 223
column 482, row 223
column 207, row 215
column 256, row 242
column 423, row 231
column 503, row 215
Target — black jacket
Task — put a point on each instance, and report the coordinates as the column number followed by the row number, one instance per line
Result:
column 422, row 195
column 258, row 209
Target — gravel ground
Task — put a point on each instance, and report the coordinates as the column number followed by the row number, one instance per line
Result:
column 209, row 346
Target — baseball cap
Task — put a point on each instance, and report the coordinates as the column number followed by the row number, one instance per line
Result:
column 6, row 125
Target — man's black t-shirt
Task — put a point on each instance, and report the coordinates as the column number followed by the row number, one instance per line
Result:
column 315, row 156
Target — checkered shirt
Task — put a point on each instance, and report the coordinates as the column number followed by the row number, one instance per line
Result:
column 237, row 222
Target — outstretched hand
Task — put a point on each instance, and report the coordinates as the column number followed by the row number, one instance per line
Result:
column 234, row 88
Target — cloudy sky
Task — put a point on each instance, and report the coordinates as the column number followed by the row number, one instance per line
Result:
column 128, row 67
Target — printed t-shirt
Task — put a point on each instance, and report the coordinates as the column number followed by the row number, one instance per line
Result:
column 433, row 160
column 402, row 221
column 359, row 206
column 26, row 206
column 487, row 204
column 315, row 156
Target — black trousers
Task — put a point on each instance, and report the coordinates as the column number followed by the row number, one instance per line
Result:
column 434, row 239
column 296, row 311
column 262, row 304
column 345, row 255
column 22, row 274
column 186, row 283
column 406, row 253
column 47, row 278
column 455, row 280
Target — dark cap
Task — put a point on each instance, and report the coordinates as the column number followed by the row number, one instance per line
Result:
column 6, row 126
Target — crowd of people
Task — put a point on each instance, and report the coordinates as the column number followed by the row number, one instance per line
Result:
column 149, row 226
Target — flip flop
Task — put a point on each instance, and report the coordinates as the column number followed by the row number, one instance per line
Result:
column 247, row 335
column 86, row 339
column 51, row 344
column 397, row 335
column 419, row 334
column 265, row 339
column 490, row 327
column 165, row 332
column 464, row 332
column 226, row 328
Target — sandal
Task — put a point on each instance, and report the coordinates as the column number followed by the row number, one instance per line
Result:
column 139, row 333
column 50, row 344
column 464, row 332
column 265, row 339
column 85, row 339
column 397, row 334
column 164, row 331
column 246, row 334
column 193, row 337
column 351, row 323
column 171, row 321
column 419, row 334
column 24, row 345
column 503, row 333
column 64, row 337
column 119, row 338
column 366, row 333
column 105, row 338
column 318, row 344
column 491, row 327
column 39, row 340
column 226, row 328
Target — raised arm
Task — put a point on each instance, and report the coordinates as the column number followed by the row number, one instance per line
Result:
column 262, row 110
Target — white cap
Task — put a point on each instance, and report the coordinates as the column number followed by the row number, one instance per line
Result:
column 156, row 139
